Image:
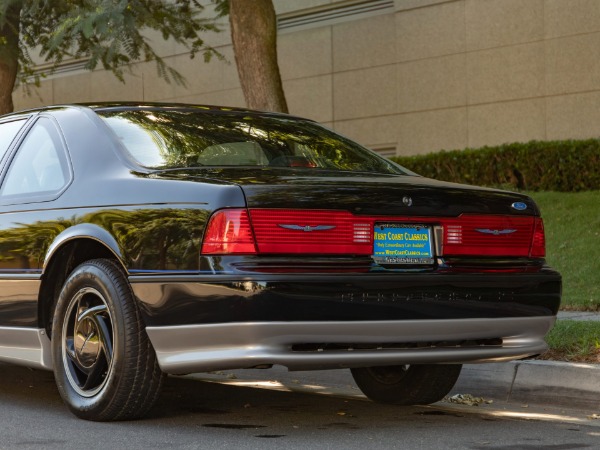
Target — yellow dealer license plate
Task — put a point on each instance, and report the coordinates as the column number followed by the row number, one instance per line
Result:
column 402, row 244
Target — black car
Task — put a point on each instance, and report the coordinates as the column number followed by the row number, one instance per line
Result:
column 144, row 239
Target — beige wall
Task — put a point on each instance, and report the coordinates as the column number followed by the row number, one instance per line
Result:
column 418, row 76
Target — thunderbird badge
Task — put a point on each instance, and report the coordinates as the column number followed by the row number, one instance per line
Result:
column 494, row 232
column 306, row 227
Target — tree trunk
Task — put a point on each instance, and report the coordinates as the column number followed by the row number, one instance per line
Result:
column 9, row 56
column 254, row 36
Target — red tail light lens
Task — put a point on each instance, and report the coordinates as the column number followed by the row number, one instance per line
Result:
column 477, row 235
column 538, row 243
column 317, row 232
column 229, row 232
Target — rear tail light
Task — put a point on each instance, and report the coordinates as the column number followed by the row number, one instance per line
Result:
column 487, row 235
column 316, row 232
column 229, row 232
column 331, row 232
column 538, row 243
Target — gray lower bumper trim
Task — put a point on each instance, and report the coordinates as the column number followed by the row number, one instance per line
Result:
column 199, row 348
column 26, row 347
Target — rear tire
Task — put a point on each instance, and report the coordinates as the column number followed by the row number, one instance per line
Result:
column 104, row 364
column 408, row 384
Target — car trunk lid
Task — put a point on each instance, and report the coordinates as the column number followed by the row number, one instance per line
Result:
column 291, row 212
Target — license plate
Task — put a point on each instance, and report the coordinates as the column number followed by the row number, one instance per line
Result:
column 402, row 244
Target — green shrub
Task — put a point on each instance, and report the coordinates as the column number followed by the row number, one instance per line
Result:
column 564, row 166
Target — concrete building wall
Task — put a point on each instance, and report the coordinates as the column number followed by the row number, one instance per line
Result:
column 400, row 76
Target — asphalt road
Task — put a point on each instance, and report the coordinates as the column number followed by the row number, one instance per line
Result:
column 202, row 414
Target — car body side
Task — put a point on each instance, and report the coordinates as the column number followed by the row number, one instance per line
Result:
column 42, row 239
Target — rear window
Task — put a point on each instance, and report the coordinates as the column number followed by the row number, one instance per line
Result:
column 170, row 139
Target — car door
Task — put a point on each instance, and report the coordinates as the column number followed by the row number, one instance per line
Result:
column 35, row 171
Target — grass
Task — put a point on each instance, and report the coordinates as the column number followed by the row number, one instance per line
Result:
column 572, row 224
column 574, row 341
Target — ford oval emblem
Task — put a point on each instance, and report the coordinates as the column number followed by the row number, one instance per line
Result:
column 519, row 206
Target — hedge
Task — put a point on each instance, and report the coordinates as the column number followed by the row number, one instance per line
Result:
column 564, row 166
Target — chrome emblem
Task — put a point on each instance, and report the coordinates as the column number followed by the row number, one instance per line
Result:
column 494, row 232
column 519, row 206
column 407, row 200
column 306, row 227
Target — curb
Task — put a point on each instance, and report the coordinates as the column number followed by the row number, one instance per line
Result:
column 539, row 382
column 579, row 315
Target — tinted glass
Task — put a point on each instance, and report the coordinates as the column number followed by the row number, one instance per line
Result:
column 38, row 167
column 166, row 139
column 8, row 131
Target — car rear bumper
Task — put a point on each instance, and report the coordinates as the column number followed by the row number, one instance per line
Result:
column 334, row 345
column 202, row 323
column 199, row 299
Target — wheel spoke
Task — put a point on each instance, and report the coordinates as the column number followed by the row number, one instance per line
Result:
column 70, row 341
column 90, row 313
column 70, row 348
column 105, row 336
column 94, row 377
column 97, row 372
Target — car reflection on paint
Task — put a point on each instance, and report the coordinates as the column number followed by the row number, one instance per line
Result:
column 138, row 240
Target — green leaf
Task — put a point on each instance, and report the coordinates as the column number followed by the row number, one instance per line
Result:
column 111, row 32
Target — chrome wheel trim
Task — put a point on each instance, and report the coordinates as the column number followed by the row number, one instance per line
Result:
column 87, row 342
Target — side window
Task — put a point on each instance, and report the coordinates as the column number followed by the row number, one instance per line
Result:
column 8, row 131
column 39, row 167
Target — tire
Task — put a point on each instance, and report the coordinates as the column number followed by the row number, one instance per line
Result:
column 407, row 385
column 104, row 364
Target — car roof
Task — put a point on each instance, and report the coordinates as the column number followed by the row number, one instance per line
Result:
column 133, row 106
